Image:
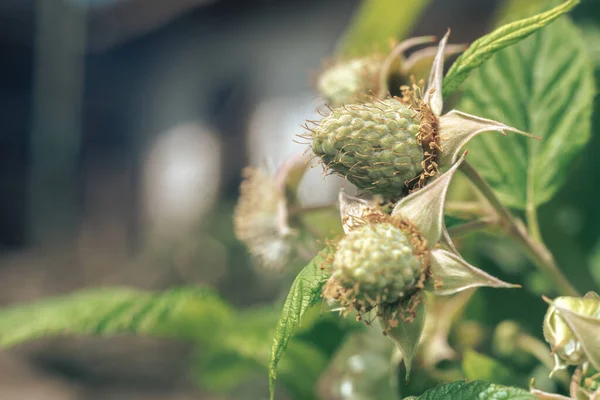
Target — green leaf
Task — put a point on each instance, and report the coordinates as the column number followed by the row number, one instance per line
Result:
column 376, row 23
column 479, row 390
column 245, row 348
column 507, row 35
column 189, row 313
column 304, row 293
column 543, row 85
column 477, row 366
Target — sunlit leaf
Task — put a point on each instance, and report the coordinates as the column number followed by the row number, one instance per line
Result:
column 191, row 314
column 483, row 48
column 304, row 293
column 376, row 23
column 543, row 85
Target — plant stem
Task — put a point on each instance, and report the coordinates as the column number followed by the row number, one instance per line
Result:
column 298, row 210
column 471, row 226
column 576, row 382
column 532, row 222
column 536, row 250
column 467, row 210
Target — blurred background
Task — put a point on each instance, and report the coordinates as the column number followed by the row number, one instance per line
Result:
column 124, row 127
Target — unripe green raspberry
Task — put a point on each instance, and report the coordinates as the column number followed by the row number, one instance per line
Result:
column 350, row 81
column 376, row 263
column 376, row 146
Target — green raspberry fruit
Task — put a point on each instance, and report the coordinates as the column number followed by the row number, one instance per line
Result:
column 350, row 81
column 376, row 263
column 374, row 145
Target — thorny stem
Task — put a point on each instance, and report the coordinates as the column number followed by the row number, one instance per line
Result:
column 537, row 251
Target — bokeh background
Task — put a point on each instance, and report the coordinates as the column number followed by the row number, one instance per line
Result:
column 124, row 127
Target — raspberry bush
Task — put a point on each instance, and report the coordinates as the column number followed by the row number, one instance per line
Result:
column 450, row 152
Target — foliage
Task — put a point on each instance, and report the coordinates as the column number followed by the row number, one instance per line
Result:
column 534, row 75
column 527, row 88
column 304, row 293
column 242, row 350
column 187, row 313
column 505, row 36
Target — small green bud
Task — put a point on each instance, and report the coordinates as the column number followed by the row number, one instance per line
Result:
column 506, row 338
column 571, row 327
column 350, row 81
column 356, row 80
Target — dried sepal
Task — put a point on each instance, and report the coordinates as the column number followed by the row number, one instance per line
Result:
column 403, row 323
column 446, row 241
column 353, row 210
column 433, row 94
column 425, row 207
column 458, row 128
column 396, row 55
column 451, row 274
